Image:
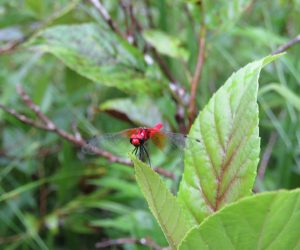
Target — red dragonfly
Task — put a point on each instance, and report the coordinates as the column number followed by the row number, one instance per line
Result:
column 139, row 138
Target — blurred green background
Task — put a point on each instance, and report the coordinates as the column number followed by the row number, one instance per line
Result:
column 54, row 197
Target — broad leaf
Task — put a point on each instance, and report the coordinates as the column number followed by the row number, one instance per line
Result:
column 267, row 221
column 166, row 44
column 162, row 203
column 223, row 167
column 100, row 55
column 137, row 110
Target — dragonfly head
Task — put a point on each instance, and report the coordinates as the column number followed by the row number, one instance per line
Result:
column 136, row 142
column 139, row 138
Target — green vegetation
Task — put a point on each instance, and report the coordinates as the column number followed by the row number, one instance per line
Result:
column 74, row 69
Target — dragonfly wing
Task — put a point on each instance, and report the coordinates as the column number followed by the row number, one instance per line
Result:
column 113, row 142
column 159, row 139
column 180, row 141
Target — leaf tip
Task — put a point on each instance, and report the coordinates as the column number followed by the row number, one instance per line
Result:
column 271, row 58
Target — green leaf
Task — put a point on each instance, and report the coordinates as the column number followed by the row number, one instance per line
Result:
column 98, row 54
column 166, row 44
column 223, row 168
column 162, row 203
column 37, row 7
column 285, row 92
column 264, row 221
column 137, row 110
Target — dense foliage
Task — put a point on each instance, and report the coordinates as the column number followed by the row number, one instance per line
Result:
column 91, row 72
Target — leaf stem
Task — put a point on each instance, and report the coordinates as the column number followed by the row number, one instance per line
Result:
column 198, row 70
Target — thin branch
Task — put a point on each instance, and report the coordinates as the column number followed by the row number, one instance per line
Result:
column 198, row 70
column 23, row 118
column 148, row 13
column 143, row 242
column 125, row 12
column 268, row 150
column 46, row 124
column 36, row 109
column 12, row 238
column 286, row 46
column 105, row 15
column 43, row 193
column 133, row 24
column 10, row 47
column 163, row 65
column 267, row 155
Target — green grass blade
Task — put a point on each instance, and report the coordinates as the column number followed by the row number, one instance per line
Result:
column 285, row 92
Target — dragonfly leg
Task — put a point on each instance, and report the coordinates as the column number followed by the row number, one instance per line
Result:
column 146, row 153
column 141, row 153
column 134, row 151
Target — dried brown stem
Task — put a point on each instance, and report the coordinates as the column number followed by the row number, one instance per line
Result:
column 125, row 11
column 287, row 45
column 143, row 242
column 23, row 118
column 11, row 46
column 12, row 238
column 163, row 65
column 46, row 124
column 268, row 150
column 130, row 21
column 198, row 71
column 36, row 109
column 149, row 14
column 43, row 193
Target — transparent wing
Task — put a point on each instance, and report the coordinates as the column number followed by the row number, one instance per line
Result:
column 168, row 148
column 117, row 143
column 163, row 139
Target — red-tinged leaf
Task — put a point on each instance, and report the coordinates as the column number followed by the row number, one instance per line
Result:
column 222, row 168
